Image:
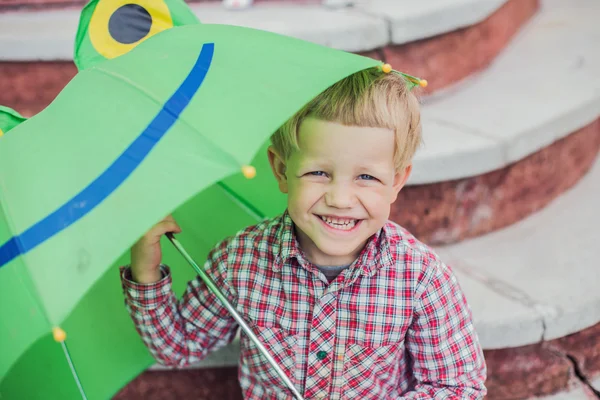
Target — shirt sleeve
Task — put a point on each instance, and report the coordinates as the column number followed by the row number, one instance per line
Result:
column 180, row 333
column 448, row 361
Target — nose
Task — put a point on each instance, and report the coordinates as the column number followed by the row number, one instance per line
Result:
column 340, row 195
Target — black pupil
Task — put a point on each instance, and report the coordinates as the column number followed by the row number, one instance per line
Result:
column 129, row 23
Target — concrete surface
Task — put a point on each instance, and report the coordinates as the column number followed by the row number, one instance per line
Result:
column 543, row 86
column 596, row 383
column 546, row 265
column 343, row 29
column 413, row 20
column 48, row 35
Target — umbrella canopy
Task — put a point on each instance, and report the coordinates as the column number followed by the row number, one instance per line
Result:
column 165, row 128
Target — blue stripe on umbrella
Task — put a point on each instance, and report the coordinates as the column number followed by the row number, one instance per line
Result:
column 117, row 172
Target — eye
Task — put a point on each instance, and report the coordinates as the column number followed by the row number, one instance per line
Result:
column 317, row 173
column 367, row 177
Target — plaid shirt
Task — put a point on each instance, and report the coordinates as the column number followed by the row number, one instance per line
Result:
column 394, row 325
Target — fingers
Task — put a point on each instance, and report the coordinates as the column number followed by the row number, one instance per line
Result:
column 168, row 224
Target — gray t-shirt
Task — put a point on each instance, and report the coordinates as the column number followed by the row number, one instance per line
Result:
column 332, row 272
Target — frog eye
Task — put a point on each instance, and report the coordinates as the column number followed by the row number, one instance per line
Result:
column 111, row 28
column 117, row 26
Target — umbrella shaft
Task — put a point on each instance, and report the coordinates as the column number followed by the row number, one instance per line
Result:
column 213, row 288
column 73, row 371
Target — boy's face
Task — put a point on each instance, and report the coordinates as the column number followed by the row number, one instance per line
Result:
column 340, row 186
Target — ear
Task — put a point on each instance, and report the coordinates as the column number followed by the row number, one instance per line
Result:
column 400, row 180
column 279, row 168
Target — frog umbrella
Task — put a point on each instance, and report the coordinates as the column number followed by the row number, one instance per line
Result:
column 165, row 128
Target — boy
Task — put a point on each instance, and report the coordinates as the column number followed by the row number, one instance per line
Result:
column 350, row 305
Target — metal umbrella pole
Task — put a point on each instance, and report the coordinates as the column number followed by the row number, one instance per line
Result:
column 213, row 288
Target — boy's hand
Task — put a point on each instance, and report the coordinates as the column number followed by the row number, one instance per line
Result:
column 146, row 253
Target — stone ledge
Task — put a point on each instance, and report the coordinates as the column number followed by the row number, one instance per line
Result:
column 543, row 371
column 583, row 349
column 595, row 382
column 222, row 383
column 415, row 20
column 449, row 58
column 536, row 279
column 525, row 372
column 443, row 60
column 344, row 29
column 227, row 356
column 543, row 87
column 197, row 384
column 481, row 126
column 577, row 391
column 54, row 33
column 360, row 28
column 560, row 369
column 448, row 212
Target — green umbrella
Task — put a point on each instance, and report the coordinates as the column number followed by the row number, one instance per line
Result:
column 166, row 128
column 110, row 28
column 9, row 118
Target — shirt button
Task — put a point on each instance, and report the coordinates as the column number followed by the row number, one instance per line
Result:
column 321, row 355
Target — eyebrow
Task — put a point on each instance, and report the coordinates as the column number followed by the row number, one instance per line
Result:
column 311, row 161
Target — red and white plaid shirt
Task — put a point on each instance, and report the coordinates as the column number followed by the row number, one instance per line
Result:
column 394, row 325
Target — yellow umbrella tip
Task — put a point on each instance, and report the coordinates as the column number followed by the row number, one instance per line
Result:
column 59, row 335
column 423, row 83
column 249, row 171
column 386, row 68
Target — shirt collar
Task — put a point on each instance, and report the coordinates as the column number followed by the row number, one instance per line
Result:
column 286, row 240
column 375, row 255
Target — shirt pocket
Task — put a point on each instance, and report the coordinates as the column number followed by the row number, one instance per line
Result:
column 371, row 368
column 282, row 346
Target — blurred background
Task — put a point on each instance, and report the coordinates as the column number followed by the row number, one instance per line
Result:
column 506, row 187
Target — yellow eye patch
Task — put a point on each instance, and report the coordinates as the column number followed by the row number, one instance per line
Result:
column 117, row 26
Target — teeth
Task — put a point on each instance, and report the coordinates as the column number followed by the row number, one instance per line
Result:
column 340, row 223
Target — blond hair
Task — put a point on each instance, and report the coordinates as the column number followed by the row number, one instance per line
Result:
column 367, row 98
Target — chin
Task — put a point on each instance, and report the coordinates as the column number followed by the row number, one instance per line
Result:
column 335, row 250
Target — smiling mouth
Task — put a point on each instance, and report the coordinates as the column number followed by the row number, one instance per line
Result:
column 343, row 224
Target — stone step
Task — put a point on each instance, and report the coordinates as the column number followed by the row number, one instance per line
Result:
column 494, row 119
column 552, row 367
column 498, row 145
column 541, row 88
column 447, row 212
column 210, row 383
column 579, row 393
column 36, row 42
column 415, row 20
column 370, row 24
column 538, row 279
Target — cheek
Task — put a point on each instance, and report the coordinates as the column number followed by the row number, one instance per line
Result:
column 377, row 201
column 303, row 195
